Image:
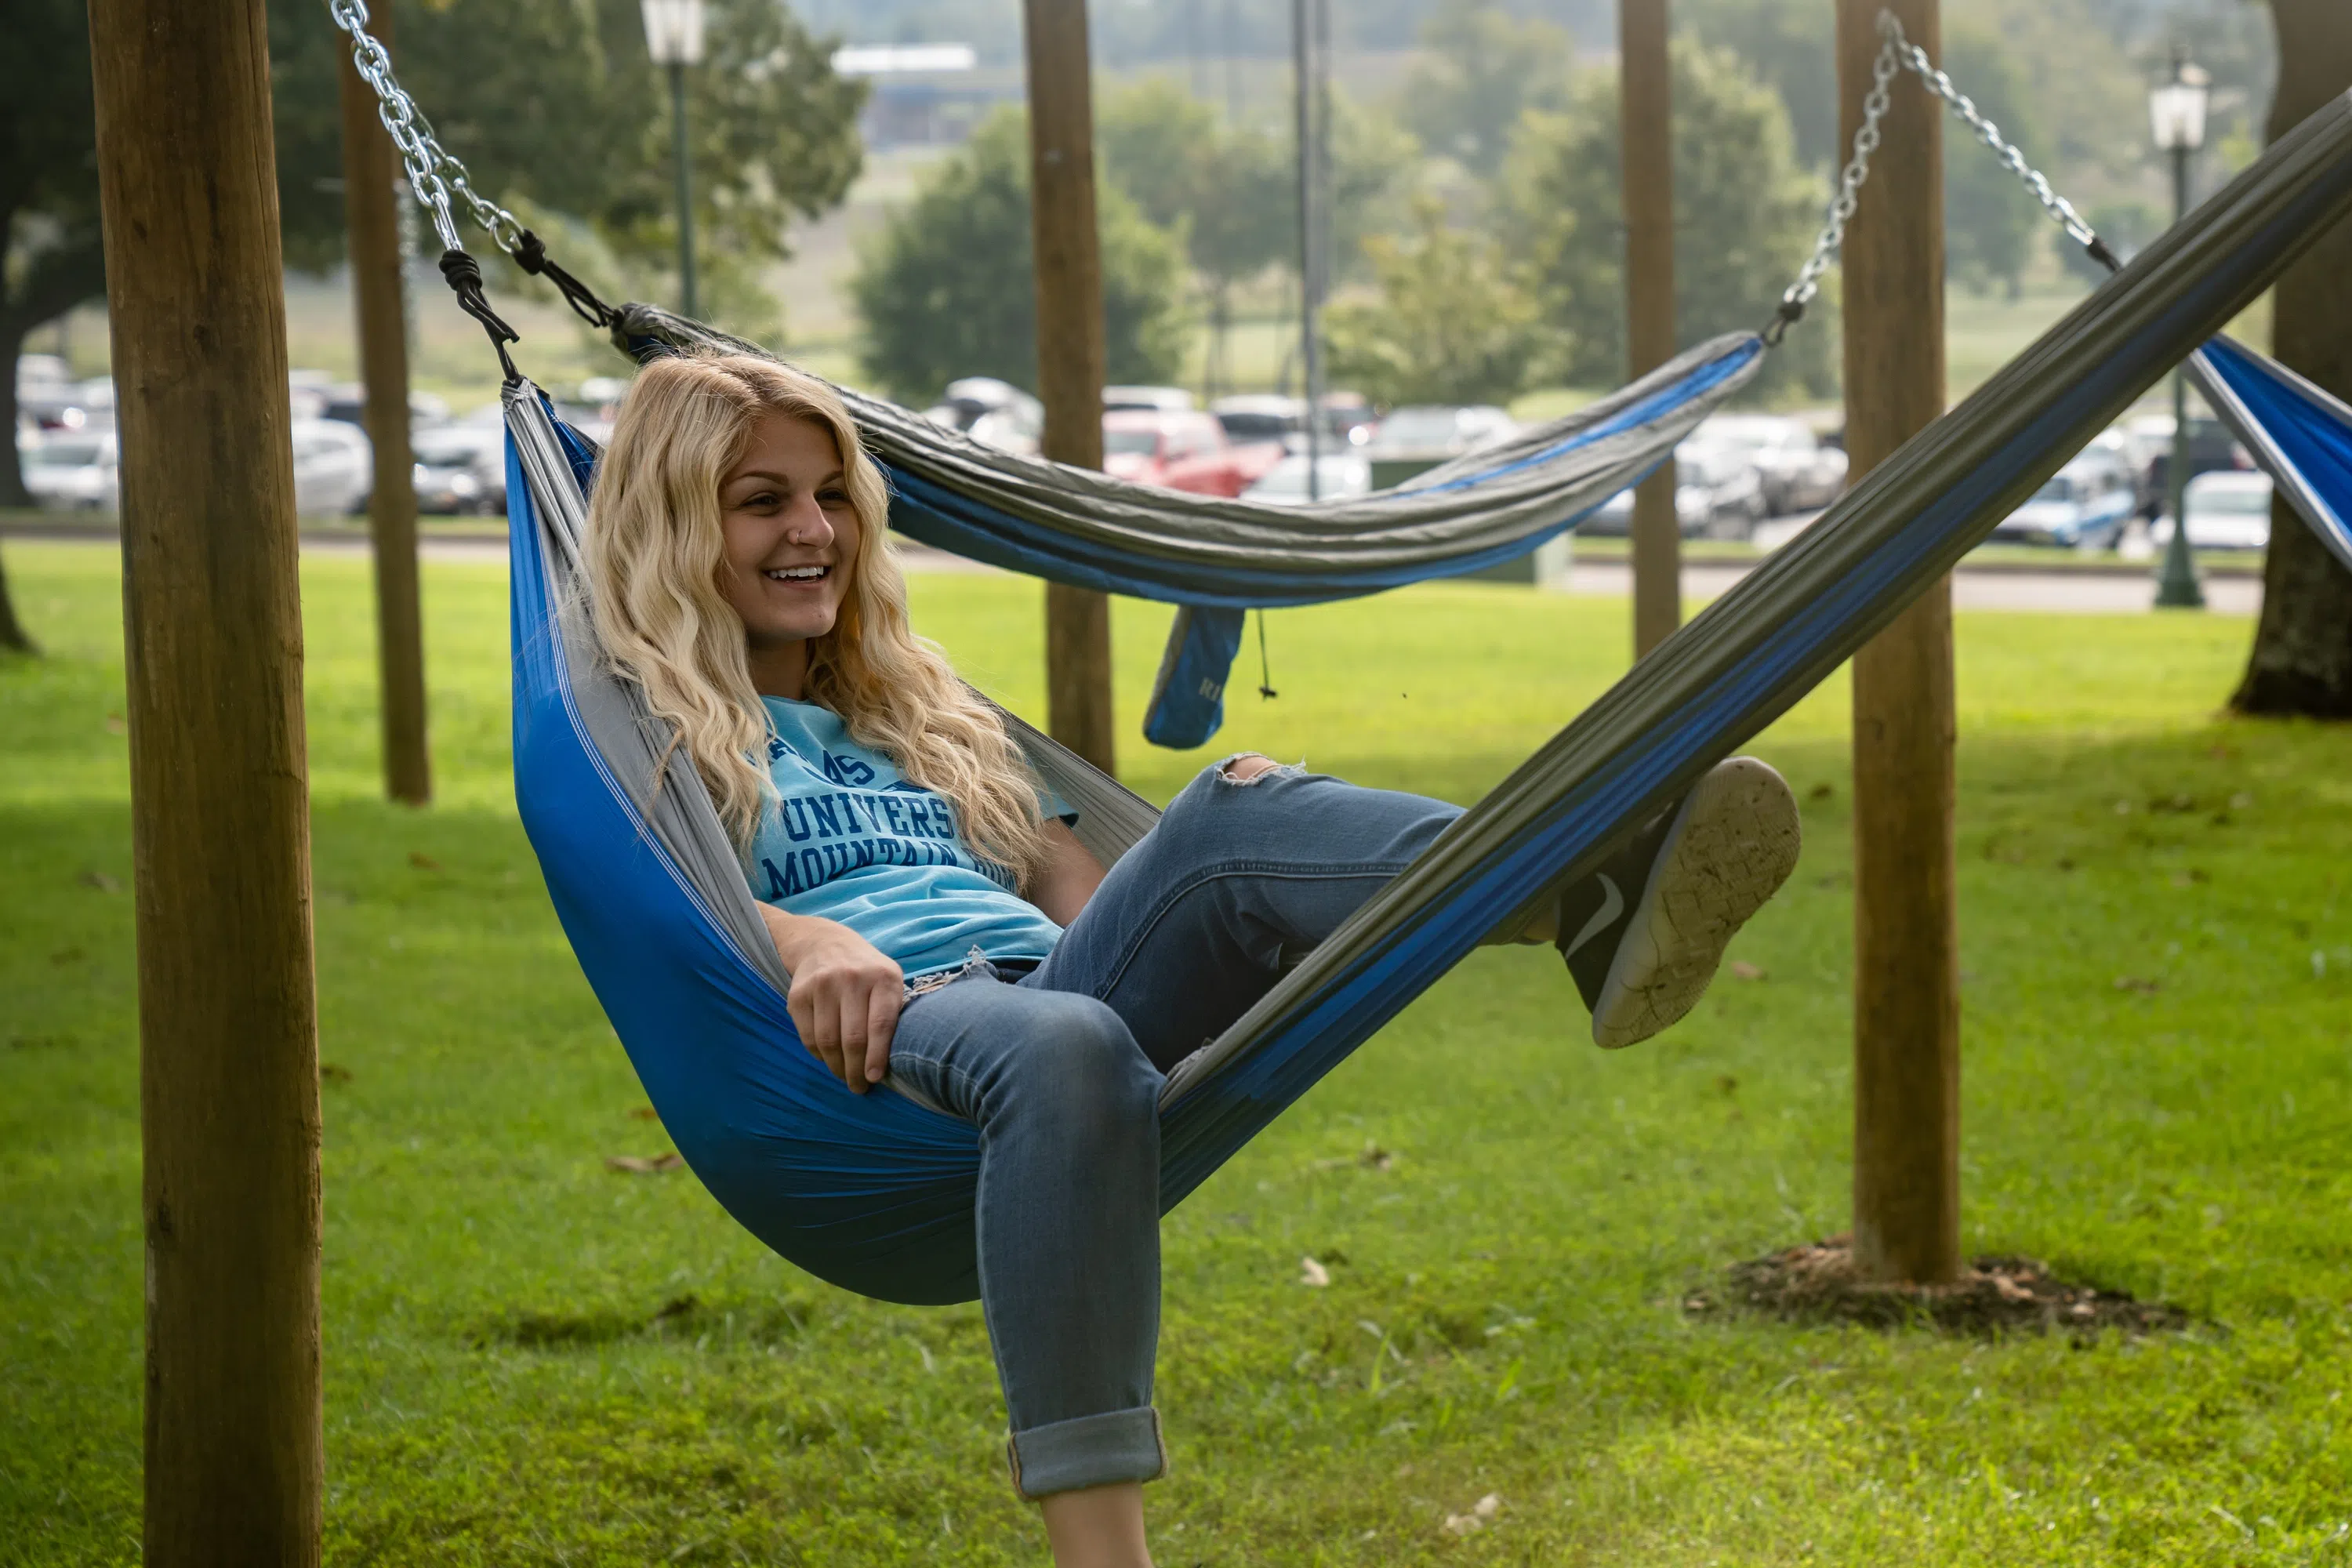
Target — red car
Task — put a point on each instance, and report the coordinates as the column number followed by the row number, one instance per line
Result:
column 1182, row 450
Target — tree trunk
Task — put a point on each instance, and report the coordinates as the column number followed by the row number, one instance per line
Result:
column 14, row 638
column 2301, row 661
column 12, row 472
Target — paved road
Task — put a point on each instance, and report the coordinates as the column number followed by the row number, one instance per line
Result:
column 2100, row 592
column 2077, row 592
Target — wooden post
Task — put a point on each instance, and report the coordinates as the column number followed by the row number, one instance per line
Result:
column 376, row 286
column 1907, row 1204
column 212, row 643
column 1645, row 109
column 1069, row 349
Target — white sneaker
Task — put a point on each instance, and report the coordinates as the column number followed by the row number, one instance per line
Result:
column 1730, row 846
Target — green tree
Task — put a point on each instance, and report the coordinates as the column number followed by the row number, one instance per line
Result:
column 1369, row 158
column 1746, row 215
column 1448, row 326
column 1150, row 139
column 1791, row 45
column 1230, row 194
column 50, row 258
column 1991, row 221
column 947, row 289
column 1481, row 68
column 559, row 111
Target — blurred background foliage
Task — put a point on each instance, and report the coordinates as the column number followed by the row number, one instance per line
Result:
column 1473, row 171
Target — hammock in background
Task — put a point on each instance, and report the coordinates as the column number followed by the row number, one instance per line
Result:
column 1219, row 557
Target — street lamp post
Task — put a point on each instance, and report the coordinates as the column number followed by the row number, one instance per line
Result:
column 1311, row 49
column 2176, row 114
column 674, row 38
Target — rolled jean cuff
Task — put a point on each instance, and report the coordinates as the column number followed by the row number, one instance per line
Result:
column 1090, row 1451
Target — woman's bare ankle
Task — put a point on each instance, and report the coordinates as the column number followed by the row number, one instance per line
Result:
column 1098, row 1527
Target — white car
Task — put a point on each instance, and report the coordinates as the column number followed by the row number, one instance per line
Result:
column 2082, row 505
column 334, row 469
column 81, row 472
column 1796, row 472
column 2227, row 510
column 1260, row 416
column 1719, row 494
column 460, row 468
column 1339, row 475
column 1718, row 491
column 1438, row 430
column 1159, row 399
column 72, row 470
column 992, row 411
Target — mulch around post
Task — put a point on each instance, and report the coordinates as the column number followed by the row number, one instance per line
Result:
column 1816, row 1283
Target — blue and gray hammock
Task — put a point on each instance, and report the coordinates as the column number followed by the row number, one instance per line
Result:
column 1215, row 558
column 875, row 1192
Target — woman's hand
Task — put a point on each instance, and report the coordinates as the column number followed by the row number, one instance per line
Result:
column 845, row 995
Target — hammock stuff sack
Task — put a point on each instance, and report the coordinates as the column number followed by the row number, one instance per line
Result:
column 1219, row 557
column 875, row 1192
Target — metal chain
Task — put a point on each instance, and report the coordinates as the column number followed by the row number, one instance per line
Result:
column 398, row 112
column 1801, row 293
column 1899, row 53
column 434, row 173
column 2059, row 209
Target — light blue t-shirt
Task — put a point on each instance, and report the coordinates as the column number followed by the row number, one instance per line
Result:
column 849, row 840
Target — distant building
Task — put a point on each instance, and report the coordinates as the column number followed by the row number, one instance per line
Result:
column 925, row 94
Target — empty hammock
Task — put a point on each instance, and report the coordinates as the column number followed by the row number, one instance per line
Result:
column 657, row 906
column 1216, row 557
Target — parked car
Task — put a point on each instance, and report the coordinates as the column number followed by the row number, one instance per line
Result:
column 1338, row 475
column 2227, row 510
column 1348, row 416
column 1719, row 494
column 79, row 470
column 1181, row 451
column 2211, row 449
column 72, row 470
column 992, row 411
column 54, row 404
column 347, row 401
column 333, row 469
column 1438, row 431
column 460, row 468
column 36, row 373
column 1797, row 473
column 1165, row 399
column 1260, row 416
column 2082, row 505
column 1718, row 491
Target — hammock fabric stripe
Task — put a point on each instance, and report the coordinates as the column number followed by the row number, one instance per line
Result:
column 2299, row 434
column 875, row 1192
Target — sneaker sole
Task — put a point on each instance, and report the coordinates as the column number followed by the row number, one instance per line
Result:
column 1732, row 844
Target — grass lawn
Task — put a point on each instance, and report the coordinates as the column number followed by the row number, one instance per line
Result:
column 532, row 1359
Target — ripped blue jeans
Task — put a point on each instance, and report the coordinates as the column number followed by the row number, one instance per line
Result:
column 1060, row 1069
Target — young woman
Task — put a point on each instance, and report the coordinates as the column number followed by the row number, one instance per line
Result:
column 959, row 940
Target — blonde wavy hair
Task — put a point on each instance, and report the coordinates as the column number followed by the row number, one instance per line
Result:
column 655, row 552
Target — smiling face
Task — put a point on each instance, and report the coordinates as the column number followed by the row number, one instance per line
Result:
column 792, row 537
